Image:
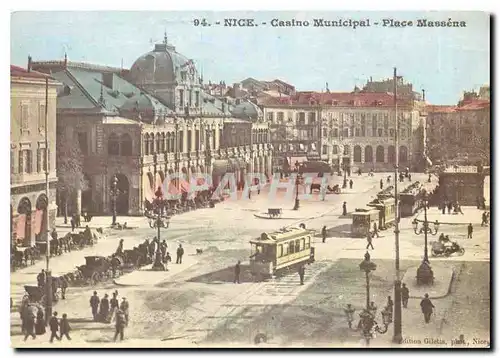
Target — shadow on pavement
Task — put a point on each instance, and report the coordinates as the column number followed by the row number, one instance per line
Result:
column 224, row 275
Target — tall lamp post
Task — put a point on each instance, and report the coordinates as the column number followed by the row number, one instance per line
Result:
column 48, row 282
column 424, row 272
column 160, row 220
column 367, row 266
column 114, row 192
column 298, row 179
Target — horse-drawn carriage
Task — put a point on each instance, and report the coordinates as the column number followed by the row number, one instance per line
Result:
column 274, row 213
column 446, row 248
column 96, row 269
column 329, row 189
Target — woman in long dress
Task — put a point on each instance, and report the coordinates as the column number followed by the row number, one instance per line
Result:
column 40, row 322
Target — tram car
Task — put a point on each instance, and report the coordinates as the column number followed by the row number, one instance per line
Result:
column 387, row 212
column 362, row 221
column 279, row 251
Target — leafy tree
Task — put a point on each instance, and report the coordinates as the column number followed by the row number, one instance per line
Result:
column 70, row 171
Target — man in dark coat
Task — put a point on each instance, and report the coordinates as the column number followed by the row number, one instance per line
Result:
column 344, row 209
column 64, row 327
column 350, row 184
column 120, row 325
column 41, row 278
column 104, row 308
column 469, row 231
column 237, row 271
column 302, row 273
column 369, row 241
column 54, row 327
column 180, row 252
column 64, row 286
column 124, row 307
column 381, row 184
column 405, row 295
column 94, row 304
column 73, row 223
column 427, row 308
column 323, row 233
column 375, row 229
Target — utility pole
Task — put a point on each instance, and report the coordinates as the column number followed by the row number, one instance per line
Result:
column 397, row 337
column 48, row 283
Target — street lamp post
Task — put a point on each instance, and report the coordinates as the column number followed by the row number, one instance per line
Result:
column 114, row 192
column 367, row 266
column 424, row 272
column 297, row 182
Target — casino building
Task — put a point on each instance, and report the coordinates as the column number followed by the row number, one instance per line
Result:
column 143, row 123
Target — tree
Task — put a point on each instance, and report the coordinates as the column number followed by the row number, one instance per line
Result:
column 70, row 172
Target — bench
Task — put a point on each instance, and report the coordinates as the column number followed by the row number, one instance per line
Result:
column 274, row 213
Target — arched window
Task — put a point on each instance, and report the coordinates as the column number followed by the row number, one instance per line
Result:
column 380, row 154
column 403, row 154
column 146, row 144
column 167, row 148
column 125, row 145
column 357, row 154
column 113, row 145
column 158, row 143
column 151, row 143
column 391, row 154
column 335, row 149
column 162, row 146
column 368, row 154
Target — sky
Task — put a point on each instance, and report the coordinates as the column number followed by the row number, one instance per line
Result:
column 443, row 61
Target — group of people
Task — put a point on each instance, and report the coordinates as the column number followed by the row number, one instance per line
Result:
column 103, row 310
column 485, row 218
column 33, row 327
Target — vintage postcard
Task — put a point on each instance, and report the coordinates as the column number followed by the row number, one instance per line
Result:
column 250, row 179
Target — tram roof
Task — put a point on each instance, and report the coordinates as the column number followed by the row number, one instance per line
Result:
column 282, row 235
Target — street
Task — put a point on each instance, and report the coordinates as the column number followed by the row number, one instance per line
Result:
column 196, row 303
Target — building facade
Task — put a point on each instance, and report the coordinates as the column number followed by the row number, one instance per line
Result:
column 32, row 94
column 355, row 129
column 139, row 125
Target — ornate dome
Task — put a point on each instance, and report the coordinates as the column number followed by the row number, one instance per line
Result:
column 163, row 65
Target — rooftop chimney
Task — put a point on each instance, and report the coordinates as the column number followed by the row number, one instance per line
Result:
column 423, row 95
column 65, row 60
column 29, row 64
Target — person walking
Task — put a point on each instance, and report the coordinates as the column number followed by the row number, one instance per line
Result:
column 350, row 184
column 390, row 307
column 113, row 305
column 94, row 304
column 427, row 308
column 124, row 307
column 302, row 273
column 64, row 286
column 180, row 252
column 381, row 184
column 41, row 278
column 54, row 327
column 119, row 325
column 344, row 208
column 29, row 324
column 469, row 231
column 369, row 241
column 375, row 229
column 64, row 327
column 323, row 233
column 237, row 271
column 73, row 223
column 40, row 323
column 405, row 295
column 104, row 308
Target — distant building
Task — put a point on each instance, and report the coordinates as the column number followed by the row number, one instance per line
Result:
column 462, row 184
column 30, row 208
column 405, row 90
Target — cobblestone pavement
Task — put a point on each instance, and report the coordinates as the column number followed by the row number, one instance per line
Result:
column 170, row 311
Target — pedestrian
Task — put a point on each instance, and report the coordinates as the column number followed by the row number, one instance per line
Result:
column 427, row 308
column 405, row 295
column 444, row 208
column 350, row 184
column 381, row 184
column 53, row 234
column 469, row 231
column 168, row 258
column 375, row 229
column 64, row 327
column 429, row 179
column 64, row 286
column 73, row 224
column 113, row 306
column 54, row 327
column 104, row 308
column 359, row 171
column 124, row 307
column 163, row 248
column 41, row 278
column 119, row 249
column 40, row 323
column 369, row 241
column 344, row 209
column 29, row 324
column 120, row 325
column 94, row 303
column 237, row 271
column 483, row 219
column 323, row 233
column 409, row 177
column 302, row 273
column 388, row 179
column 180, row 252
column 450, row 206
column 390, row 304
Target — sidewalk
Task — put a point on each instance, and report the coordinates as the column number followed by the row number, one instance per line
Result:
column 145, row 276
column 470, row 215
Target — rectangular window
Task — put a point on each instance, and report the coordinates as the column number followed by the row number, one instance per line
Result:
column 325, row 149
column 197, row 99
column 357, row 132
column 83, row 142
column 380, row 132
column 280, row 250
column 189, row 141
column 335, row 132
column 181, row 141
column 303, row 244
column 391, row 133
column 291, row 247
column 24, row 117
column 41, row 116
column 39, row 160
column 363, row 131
column 302, row 117
column 312, row 117
column 181, row 99
column 308, row 243
column 270, row 116
column 197, row 140
column 281, row 117
column 386, row 132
